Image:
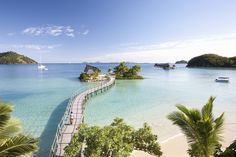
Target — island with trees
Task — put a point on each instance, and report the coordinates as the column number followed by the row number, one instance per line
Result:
column 212, row 60
column 181, row 62
column 11, row 57
column 91, row 74
column 123, row 72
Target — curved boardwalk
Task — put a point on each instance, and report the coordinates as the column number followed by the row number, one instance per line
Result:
column 65, row 131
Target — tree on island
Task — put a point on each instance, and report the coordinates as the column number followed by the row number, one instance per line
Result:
column 202, row 130
column 122, row 71
column 115, row 140
column 12, row 141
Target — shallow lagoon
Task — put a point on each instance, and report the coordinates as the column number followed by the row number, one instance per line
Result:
column 40, row 98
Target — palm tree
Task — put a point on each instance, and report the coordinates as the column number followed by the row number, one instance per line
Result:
column 12, row 141
column 121, row 69
column 203, row 132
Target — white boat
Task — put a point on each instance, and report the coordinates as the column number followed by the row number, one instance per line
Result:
column 42, row 67
column 222, row 79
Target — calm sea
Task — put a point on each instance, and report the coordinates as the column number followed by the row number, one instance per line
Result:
column 40, row 98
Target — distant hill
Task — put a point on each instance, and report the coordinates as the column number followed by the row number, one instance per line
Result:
column 15, row 58
column 181, row 62
column 212, row 60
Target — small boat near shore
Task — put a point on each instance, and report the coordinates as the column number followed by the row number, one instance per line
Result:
column 222, row 79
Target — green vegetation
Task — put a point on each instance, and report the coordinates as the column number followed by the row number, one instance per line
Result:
column 14, row 58
column 89, row 77
column 212, row 60
column 12, row 141
column 229, row 151
column 181, row 62
column 201, row 129
column 122, row 71
column 90, row 73
column 115, row 140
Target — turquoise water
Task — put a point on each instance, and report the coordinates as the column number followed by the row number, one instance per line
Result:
column 40, row 98
column 151, row 99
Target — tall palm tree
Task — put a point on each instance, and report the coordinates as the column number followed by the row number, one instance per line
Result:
column 12, row 142
column 202, row 130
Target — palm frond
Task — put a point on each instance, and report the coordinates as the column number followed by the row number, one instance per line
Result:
column 219, row 122
column 185, row 125
column 12, row 128
column 203, row 132
column 18, row 145
column 5, row 113
column 207, row 109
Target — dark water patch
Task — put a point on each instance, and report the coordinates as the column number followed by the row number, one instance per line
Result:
column 48, row 134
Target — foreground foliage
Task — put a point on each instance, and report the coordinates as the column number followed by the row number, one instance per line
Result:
column 201, row 129
column 12, row 141
column 115, row 140
column 229, row 151
column 122, row 71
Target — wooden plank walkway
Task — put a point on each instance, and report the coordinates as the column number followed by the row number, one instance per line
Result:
column 65, row 131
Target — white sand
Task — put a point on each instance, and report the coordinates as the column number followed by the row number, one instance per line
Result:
column 176, row 146
column 173, row 147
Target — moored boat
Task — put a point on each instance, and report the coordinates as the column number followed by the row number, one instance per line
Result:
column 222, row 79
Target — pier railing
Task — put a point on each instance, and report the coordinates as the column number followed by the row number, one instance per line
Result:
column 82, row 94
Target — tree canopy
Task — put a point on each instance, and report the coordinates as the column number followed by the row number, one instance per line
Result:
column 212, row 60
column 115, row 140
column 122, row 71
column 230, row 151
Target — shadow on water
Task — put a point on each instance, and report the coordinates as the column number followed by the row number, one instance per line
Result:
column 47, row 137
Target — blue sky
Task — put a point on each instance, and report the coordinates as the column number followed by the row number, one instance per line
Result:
column 118, row 30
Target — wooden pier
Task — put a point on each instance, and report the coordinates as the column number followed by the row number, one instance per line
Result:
column 65, row 130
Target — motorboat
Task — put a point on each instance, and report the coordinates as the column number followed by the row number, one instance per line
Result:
column 222, row 79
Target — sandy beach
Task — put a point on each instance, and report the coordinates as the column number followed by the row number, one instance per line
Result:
column 177, row 145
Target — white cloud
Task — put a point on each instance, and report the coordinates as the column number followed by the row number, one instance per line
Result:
column 86, row 32
column 28, row 46
column 171, row 51
column 51, row 30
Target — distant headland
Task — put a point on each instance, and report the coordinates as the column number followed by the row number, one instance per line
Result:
column 212, row 60
column 11, row 57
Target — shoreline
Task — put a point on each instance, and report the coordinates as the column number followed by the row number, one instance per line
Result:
column 177, row 145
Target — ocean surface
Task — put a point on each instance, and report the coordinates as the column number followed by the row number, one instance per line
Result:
column 40, row 98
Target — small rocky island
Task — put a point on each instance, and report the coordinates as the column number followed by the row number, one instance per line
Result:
column 11, row 57
column 123, row 72
column 181, row 62
column 165, row 66
column 212, row 60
